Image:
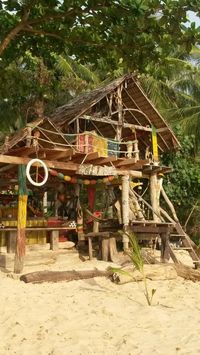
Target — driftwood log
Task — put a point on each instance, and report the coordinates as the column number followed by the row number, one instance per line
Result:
column 56, row 276
column 157, row 272
column 152, row 272
column 187, row 272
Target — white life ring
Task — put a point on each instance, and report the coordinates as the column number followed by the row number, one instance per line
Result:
column 29, row 165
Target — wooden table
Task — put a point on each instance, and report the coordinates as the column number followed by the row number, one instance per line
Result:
column 54, row 235
column 153, row 228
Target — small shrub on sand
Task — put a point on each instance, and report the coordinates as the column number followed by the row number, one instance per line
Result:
column 136, row 258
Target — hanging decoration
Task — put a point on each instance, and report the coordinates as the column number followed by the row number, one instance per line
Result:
column 28, row 168
column 75, row 180
column 154, row 144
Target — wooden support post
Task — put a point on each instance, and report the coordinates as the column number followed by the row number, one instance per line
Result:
column 165, row 252
column 90, row 247
column 29, row 138
column 110, row 208
column 6, row 145
column 105, row 249
column 21, row 221
column 125, row 208
column 11, row 242
column 54, row 240
column 136, row 150
column 155, row 196
column 120, row 112
column 45, row 202
column 154, row 145
column 76, row 126
column 79, row 221
column 95, row 230
column 169, row 203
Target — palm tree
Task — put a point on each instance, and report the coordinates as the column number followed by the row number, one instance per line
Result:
column 177, row 95
column 28, row 88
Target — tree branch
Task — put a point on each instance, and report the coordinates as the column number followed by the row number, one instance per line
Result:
column 42, row 33
column 12, row 34
column 50, row 17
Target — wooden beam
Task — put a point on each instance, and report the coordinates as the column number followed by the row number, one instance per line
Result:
column 102, row 161
column 6, row 159
column 132, row 173
column 80, row 157
column 115, row 123
column 149, row 229
column 92, row 156
column 125, row 162
column 57, row 153
column 22, row 151
column 6, row 168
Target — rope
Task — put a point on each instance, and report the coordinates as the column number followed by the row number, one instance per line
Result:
column 84, row 145
column 84, row 133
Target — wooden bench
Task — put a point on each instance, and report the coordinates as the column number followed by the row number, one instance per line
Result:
column 54, row 236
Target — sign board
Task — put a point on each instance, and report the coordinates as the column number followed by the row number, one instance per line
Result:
column 89, row 169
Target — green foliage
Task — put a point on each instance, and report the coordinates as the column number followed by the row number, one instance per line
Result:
column 95, row 30
column 52, row 50
column 28, row 80
column 183, row 184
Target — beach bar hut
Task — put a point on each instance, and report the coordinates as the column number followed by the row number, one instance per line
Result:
column 111, row 138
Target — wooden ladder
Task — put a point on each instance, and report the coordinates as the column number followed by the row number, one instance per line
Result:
column 187, row 243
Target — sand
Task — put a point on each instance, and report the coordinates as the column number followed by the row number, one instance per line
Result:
column 98, row 317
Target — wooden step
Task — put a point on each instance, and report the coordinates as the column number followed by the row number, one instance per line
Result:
column 177, row 235
column 183, row 248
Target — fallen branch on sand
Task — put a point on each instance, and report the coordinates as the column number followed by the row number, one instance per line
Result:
column 56, row 276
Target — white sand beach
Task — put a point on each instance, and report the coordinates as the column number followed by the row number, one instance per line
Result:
column 96, row 316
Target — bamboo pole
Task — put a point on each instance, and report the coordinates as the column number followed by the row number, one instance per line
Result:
column 21, row 221
column 45, row 203
column 135, row 206
column 166, row 215
column 146, row 203
column 136, row 150
column 169, row 203
column 125, row 208
column 120, row 112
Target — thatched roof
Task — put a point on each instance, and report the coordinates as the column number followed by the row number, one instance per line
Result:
column 143, row 112
column 138, row 110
